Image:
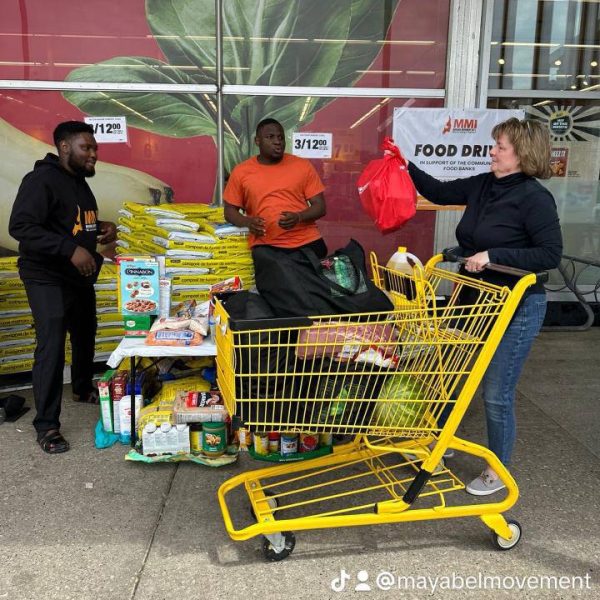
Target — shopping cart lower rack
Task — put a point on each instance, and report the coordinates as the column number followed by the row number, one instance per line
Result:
column 399, row 383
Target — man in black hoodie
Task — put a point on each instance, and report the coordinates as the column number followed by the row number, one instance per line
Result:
column 55, row 220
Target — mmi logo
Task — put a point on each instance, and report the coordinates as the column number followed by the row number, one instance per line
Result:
column 460, row 126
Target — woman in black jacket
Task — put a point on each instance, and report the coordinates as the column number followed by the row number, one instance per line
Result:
column 509, row 219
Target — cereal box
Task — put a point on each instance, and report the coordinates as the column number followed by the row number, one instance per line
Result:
column 139, row 287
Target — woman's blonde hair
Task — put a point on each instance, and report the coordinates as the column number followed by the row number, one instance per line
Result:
column 531, row 142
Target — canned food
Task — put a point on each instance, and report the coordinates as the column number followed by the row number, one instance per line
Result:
column 325, row 439
column 214, row 438
column 273, row 442
column 288, row 444
column 196, row 438
column 261, row 443
column 308, row 442
column 244, row 438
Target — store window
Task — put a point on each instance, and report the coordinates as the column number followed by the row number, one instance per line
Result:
column 401, row 45
column 554, row 48
column 540, row 45
column 149, row 167
column 98, row 40
column 386, row 43
column 357, row 127
column 575, row 136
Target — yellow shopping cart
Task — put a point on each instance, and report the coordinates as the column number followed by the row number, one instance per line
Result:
column 385, row 379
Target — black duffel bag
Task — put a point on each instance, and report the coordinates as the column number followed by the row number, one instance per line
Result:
column 264, row 356
column 298, row 283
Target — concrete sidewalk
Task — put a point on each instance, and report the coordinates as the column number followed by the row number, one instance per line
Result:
column 88, row 525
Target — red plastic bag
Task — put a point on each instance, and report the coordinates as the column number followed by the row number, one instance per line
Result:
column 386, row 190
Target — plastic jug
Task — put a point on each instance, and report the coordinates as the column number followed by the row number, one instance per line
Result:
column 399, row 261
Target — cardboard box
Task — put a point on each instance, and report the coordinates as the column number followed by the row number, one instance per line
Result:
column 139, row 285
column 117, row 391
column 202, row 412
column 137, row 325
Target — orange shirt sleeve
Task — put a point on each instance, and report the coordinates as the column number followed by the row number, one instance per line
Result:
column 313, row 185
column 234, row 194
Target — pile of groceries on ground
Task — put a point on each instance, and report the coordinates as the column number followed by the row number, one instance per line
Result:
column 180, row 415
column 171, row 260
column 179, row 412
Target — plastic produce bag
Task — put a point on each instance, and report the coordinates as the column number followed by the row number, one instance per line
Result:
column 386, row 190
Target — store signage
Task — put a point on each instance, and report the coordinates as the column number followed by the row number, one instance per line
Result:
column 109, row 130
column 312, row 145
column 448, row 143
column 575, row 137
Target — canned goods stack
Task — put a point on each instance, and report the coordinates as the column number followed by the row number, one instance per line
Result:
column 283, row 446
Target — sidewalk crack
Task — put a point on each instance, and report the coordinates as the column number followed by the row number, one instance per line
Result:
column 139, row 574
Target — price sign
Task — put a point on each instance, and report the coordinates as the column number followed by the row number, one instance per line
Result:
column 108, row 130
column 312, row 145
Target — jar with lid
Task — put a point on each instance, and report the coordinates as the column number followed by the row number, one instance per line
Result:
column 214, row 438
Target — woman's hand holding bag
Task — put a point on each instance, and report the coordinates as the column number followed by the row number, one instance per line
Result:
column 386, row 190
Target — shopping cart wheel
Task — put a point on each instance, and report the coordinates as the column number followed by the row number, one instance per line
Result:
column 501, row 543
column 278, row 546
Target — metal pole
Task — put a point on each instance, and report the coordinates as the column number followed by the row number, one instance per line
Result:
column 218, row 201
column 132, row 378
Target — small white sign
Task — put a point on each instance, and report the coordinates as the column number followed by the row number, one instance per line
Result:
column 312, row 145
column 109, row 130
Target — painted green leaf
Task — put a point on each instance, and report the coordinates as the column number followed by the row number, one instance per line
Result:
column 265, row 42
column 175, row 115
column 257, row 49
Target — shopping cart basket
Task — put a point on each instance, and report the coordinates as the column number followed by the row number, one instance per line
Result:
column 384, row 378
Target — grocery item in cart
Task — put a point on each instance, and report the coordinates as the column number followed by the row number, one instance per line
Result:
column 346, row 341
column 295, row 284
column 402, row 403
column 261, row 443
column 309, row 442
column 273, row 441
column 289, row 444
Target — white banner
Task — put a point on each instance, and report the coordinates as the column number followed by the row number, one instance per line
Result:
column 448, row 143
column 108, row 130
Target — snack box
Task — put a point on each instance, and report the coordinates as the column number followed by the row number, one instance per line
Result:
column 233, row 284
column 137, row 325
column 139, row 285
column 117, row 391
column 201, row 413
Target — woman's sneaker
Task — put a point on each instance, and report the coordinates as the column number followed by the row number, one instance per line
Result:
column 484, row 485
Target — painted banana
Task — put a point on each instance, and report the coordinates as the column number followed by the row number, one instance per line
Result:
column 112, row 184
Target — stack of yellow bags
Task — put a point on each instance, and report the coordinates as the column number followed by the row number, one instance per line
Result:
column 17, row 335
column 17, row 332
column 199, row 247
column 110, row 321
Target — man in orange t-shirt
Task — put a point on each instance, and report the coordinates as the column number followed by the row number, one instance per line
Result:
column 281, row 194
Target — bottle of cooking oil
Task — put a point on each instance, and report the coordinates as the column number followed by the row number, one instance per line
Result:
column 399, row 261
column 399, row 277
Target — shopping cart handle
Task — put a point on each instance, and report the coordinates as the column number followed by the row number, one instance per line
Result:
column 454, row 255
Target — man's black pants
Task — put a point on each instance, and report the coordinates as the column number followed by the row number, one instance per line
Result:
column 56, row 309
